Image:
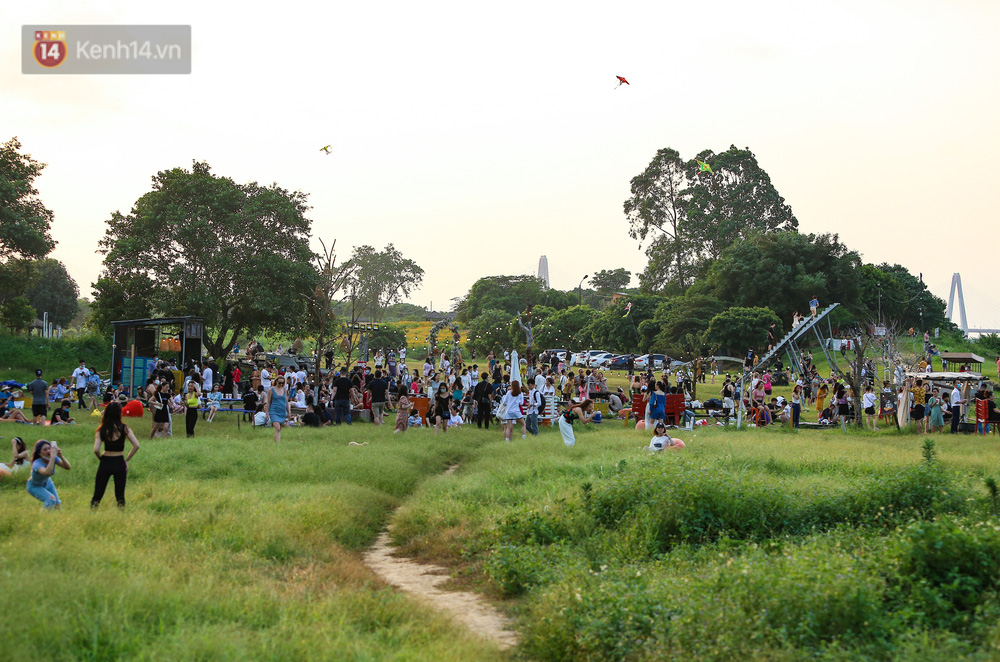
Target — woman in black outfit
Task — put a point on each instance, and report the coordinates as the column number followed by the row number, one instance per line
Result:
column 112, row 433
column 160, row 402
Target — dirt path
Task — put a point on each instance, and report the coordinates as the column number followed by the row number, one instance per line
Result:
column 423, row 581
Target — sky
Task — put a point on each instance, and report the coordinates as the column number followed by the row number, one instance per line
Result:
column 476, row 137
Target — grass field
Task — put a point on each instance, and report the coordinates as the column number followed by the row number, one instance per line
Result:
column 764, row 544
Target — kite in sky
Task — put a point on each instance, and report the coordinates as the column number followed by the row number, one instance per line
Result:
column 326, row 149
column 628, row 309
column 703, row 167
column 620, row 81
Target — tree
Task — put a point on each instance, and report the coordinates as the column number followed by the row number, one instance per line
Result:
column 737, row 328
column 734, row 201
column 613, row 331
column 322, row 316
column 677, row 318
column 490, row 330
column 694, row 215
column 611, row 281
column 381, row 279
column 404, row 312
column 198, row 244
column 563, row 328
column 25, row 222
column 782, row 271
column 389, row 337
column 659, row 206
column 17, row 314
column 52, row 290
column 511, row 294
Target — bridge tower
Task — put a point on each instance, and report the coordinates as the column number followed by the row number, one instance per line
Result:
column 956, row 285
column 543, row 270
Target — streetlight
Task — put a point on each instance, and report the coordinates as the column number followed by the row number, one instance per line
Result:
column 579, row 288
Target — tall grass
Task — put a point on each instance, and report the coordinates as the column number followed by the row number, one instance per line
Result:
column 230, row 547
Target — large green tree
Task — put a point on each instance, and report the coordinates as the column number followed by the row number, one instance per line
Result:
column 734, row 330
column 511, row 294
column 611, row 280
column 782, row 271
column 677, row 318
column 381, row 278
column 563, row 328
column 199, row 244
column 616, row 329
column 52, row 290
column 691, row 214
column 25, row 222
column 490, row 330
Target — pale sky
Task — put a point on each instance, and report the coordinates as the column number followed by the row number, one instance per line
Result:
column 478, row 136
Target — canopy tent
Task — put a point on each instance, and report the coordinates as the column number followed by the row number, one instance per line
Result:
column 974, row 361
column 948, row 376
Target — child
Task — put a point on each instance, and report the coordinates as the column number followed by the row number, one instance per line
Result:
column 661, row 441
column 402, row 410
column 456, row 418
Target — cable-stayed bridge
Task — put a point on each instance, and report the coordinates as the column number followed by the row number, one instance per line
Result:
column 957, row 296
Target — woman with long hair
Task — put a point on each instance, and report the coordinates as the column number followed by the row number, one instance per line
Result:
column 512, row 409
column 21, row 455
column 442, row 408
column 191, row 401
column 278, row 406
column 160, row 402
column 112, row 433
column 46, row 456
column 583, row 411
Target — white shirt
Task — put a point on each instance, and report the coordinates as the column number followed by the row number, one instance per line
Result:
column 659, row 443
column 402, row 354
column 300, row 399
column 868, row 400
column 206, row 380
column 510, row 406
column 301, row 375
column 534, row 400
column 81, row 374
column 455, row 420
column 265, row 379
column 539, row 381
column 956, row 400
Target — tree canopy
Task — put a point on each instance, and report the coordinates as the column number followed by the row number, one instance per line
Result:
column 199, row 244
column 52, row 290
column 380, row 279
column 782, row 271
column 734, row 330
column 25, row 223
column 510, row 294
column 611, row 281
column 693, row 215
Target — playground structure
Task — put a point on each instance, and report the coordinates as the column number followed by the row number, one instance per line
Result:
column 789, row 346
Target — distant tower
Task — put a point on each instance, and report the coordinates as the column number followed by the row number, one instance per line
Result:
column 543, row 270
column 956, row 285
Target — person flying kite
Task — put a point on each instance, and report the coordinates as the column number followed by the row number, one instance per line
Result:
column 326, row 149
column 703, row 167
column 620, row 81
column 628, row 309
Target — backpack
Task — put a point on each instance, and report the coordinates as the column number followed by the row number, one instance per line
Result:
column 541, row 402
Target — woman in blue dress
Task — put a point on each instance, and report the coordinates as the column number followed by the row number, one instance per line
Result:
column 278, row 406
column 658, row 405
column 43, row 466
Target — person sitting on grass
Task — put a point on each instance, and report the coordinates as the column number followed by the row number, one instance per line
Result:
column 456, row 420
column 9, row 413
column 311, row 418
column 46, row 457
column 21, row 455
column 61, row 416
column 661, row 440
column 415, row 421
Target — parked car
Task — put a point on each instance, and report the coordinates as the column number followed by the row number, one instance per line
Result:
column 654, row 361
column 619, row 362
column 586, row 359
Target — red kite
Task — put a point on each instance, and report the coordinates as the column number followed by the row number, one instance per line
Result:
column 620, row 81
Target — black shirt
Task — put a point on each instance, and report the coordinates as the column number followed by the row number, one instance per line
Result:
column 482, row 392
column 343, row 386
column 311, row 419
column 250, row 401
column 378, row 388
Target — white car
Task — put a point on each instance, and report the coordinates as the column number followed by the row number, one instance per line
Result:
column 585, row 359
column 600, row 360
column 643, row 362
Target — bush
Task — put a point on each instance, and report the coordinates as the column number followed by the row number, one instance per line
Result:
column 947, row 570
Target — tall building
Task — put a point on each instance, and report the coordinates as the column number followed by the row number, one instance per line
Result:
column 543, row 270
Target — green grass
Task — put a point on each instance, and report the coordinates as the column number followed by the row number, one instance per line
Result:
column 756, row 543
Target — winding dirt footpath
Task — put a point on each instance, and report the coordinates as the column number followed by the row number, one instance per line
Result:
column 424, row 581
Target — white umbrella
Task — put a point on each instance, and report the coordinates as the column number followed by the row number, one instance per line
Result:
column 515, row 368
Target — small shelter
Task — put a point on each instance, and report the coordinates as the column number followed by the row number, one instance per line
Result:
column 136, row 342
column 959, row 359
